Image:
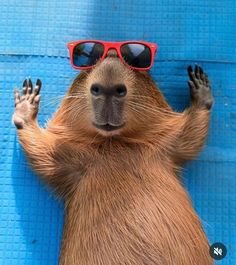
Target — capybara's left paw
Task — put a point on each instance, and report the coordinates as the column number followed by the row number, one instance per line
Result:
column 200, row 89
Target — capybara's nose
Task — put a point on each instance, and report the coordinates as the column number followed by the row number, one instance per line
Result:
column 118, row 91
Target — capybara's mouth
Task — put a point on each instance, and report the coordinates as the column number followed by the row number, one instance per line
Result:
column 108, row 127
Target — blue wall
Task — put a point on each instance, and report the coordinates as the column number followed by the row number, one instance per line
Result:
column 33, row 36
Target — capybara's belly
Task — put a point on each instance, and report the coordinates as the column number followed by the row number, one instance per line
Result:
column 140, row 222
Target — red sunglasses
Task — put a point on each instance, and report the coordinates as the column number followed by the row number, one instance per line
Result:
column 138, row 55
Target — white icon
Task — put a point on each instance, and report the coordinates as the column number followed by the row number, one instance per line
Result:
column 218, row 251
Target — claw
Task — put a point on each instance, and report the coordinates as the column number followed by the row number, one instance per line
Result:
column 202, row 76
column 190, row 70
column 206, row 80
column 25, row 83
column 192, row 75
column 201, row 71
column 25, row 87
column 30, row 86
column 197, row 72
column 38, row 83
column 37, row 87
column 30, row 83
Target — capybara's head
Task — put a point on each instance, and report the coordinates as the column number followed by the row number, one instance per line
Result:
column 112, row 99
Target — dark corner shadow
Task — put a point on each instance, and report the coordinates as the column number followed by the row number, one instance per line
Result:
column 40, row 215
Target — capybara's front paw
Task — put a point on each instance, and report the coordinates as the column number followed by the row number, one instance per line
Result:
column 26, row 104
column 200, row 89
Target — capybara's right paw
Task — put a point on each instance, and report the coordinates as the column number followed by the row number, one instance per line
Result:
column 26, row 104
column 200, row 89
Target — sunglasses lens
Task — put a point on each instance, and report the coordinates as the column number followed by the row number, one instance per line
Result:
column 136, row 55
column 87, row 54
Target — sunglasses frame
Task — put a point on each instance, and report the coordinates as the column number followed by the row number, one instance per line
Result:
column 112, row 45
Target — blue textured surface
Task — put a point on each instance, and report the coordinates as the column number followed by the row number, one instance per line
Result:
column 33, row 35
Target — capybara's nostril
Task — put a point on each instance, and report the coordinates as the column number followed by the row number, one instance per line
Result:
column 120, row 90
column 96, row 90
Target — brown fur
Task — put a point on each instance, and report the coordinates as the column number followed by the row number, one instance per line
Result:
column 123, row 201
